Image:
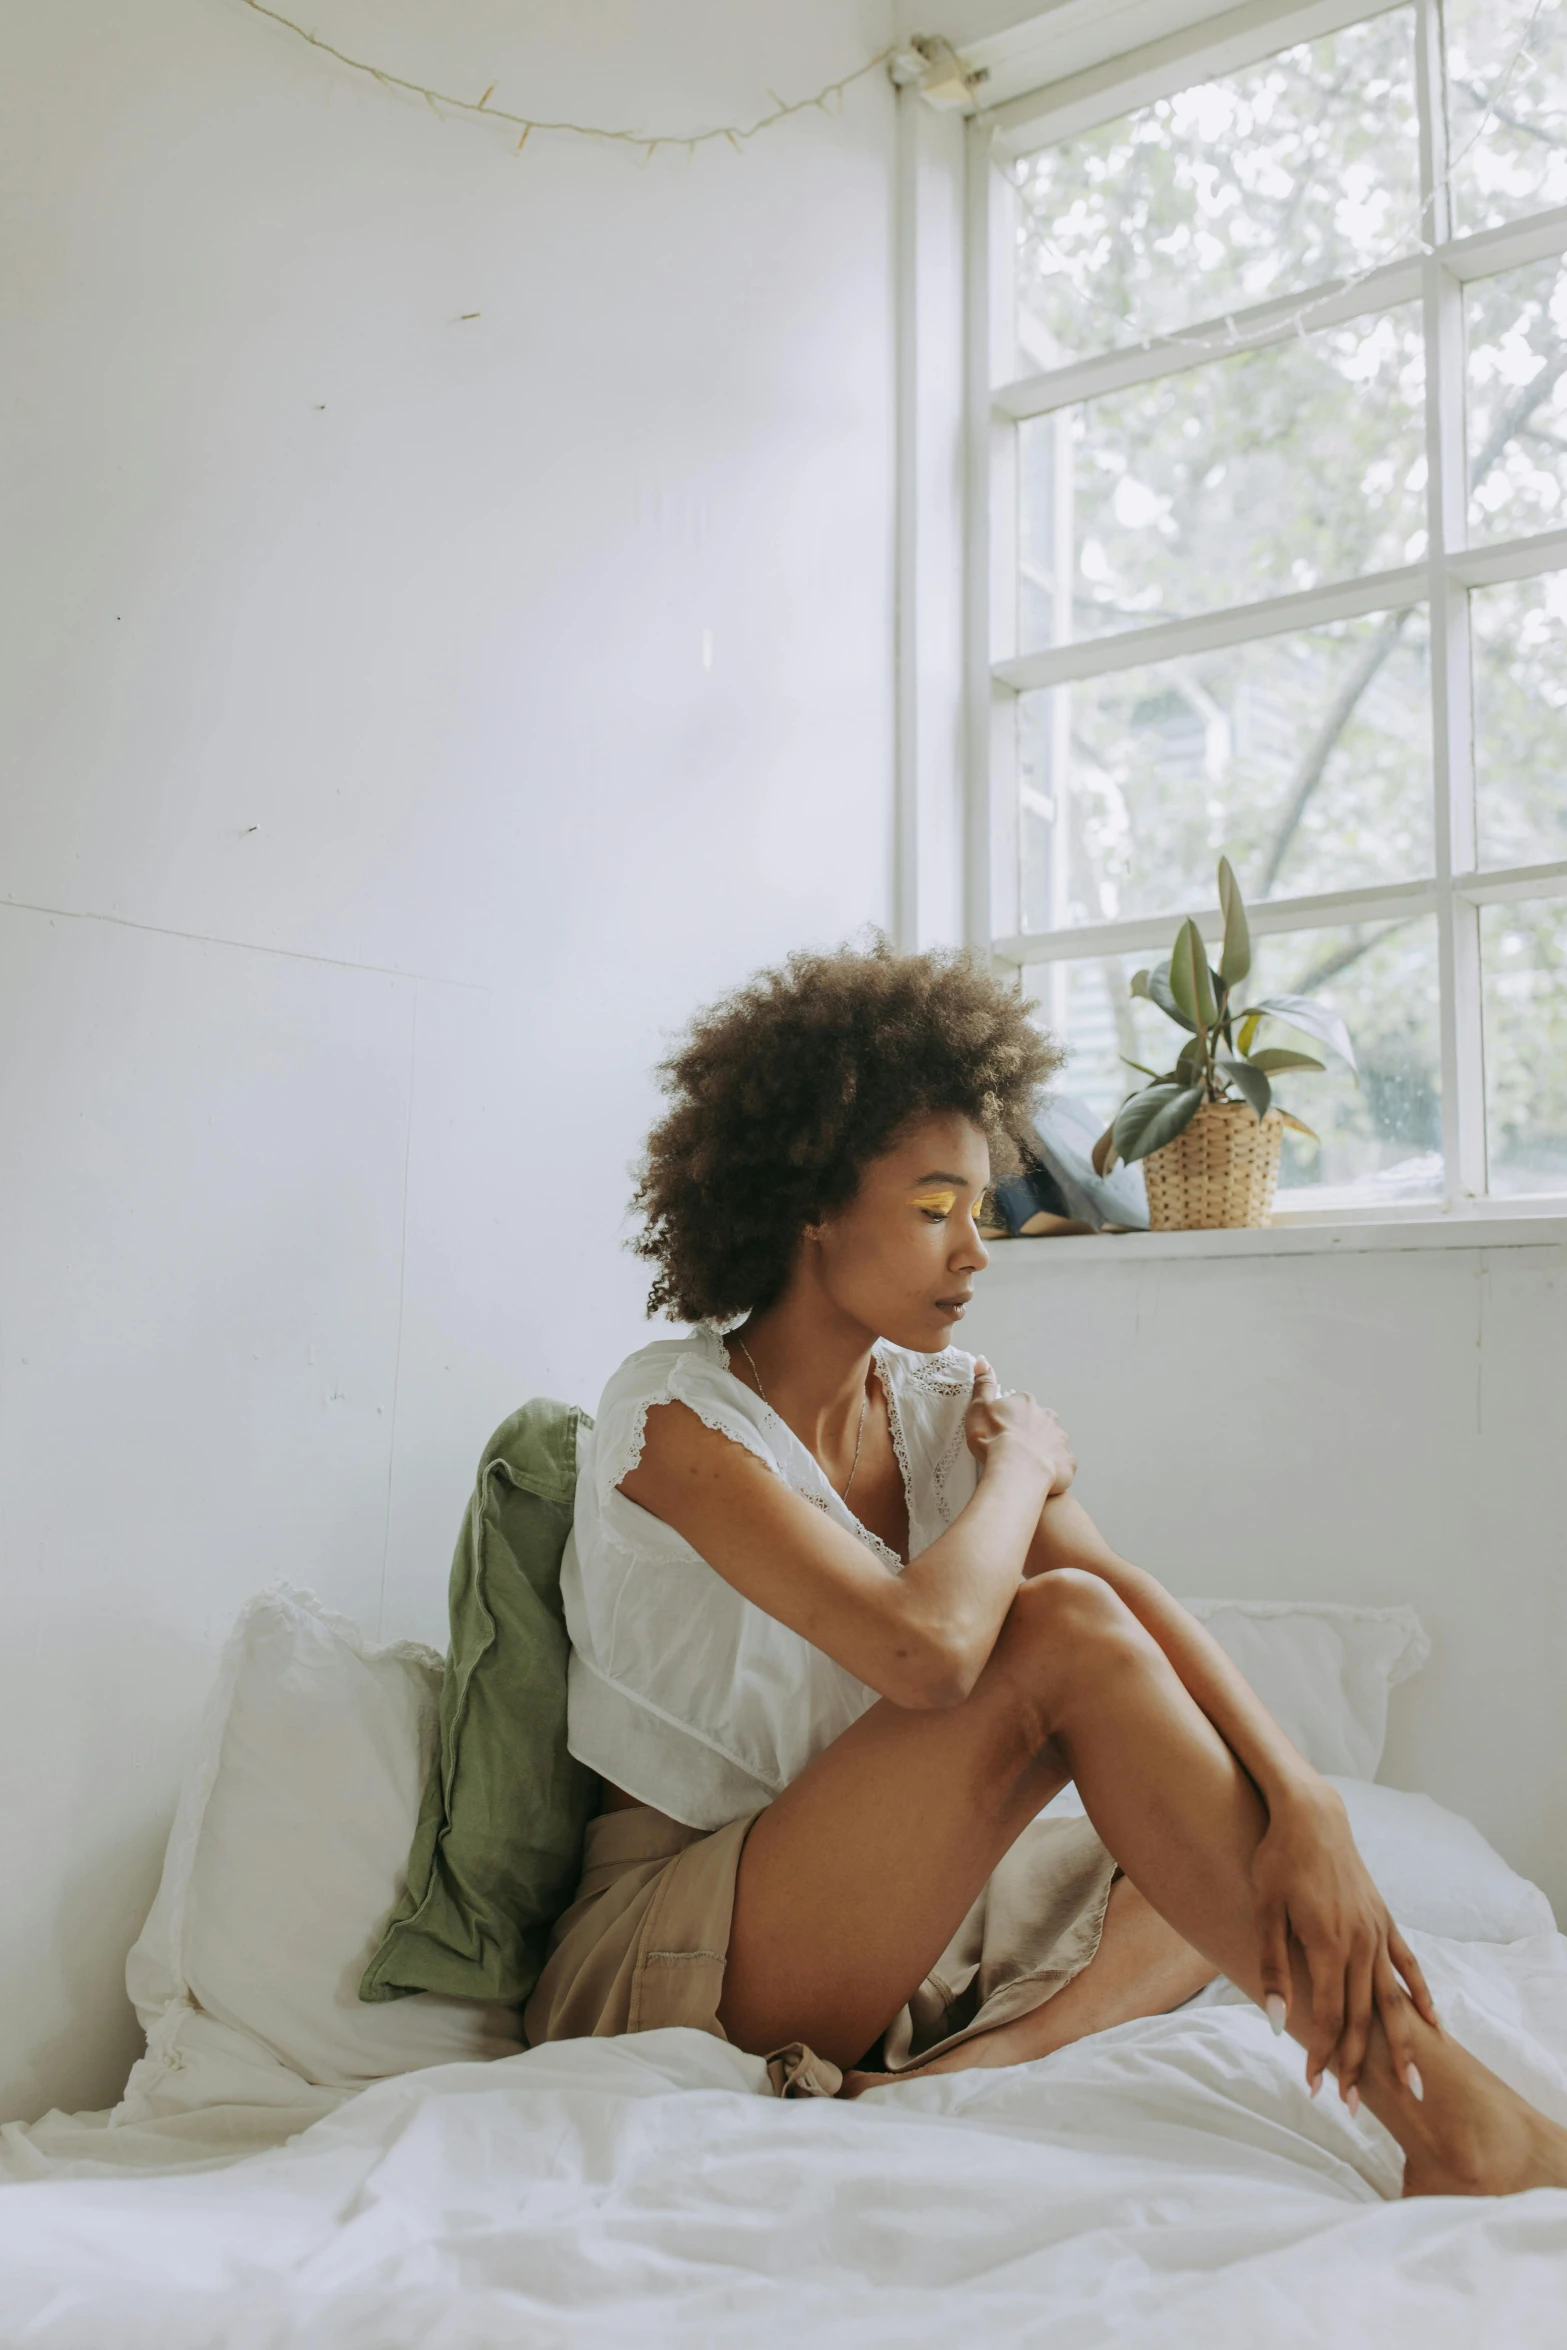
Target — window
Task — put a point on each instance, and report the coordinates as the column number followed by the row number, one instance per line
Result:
column 1271, row 368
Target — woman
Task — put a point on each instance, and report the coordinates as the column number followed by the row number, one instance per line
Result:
column 840, row 1632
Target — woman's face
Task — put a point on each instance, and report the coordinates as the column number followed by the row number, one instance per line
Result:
column 902, row 1256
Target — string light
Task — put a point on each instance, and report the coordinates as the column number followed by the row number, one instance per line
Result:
column 896, row 55
column 735, row 133
column 1294, row 322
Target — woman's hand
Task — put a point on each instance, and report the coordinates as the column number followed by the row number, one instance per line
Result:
column 994, row 1421
column 1309, row 1883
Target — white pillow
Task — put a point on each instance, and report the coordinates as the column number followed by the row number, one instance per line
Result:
column 1322, row 1669
column 287, row 1853
column 1436, row 1871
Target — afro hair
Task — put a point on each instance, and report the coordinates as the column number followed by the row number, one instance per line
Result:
column 781, row 1094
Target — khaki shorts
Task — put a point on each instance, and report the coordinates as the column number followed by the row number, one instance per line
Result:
column 646, row 1940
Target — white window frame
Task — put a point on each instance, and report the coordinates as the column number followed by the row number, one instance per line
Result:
column 996, row 674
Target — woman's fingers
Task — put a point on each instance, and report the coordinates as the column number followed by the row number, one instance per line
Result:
column 1409, row 1967
column 1394, row 2009
column 1273, row 1941
column 1360, row 1983
column 1327, row 2011
column 986, row 1386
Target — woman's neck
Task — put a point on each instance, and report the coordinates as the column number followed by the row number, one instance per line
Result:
column 812, row 1361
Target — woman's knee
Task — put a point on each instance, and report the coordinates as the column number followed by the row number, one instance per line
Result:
column 1067, row 1629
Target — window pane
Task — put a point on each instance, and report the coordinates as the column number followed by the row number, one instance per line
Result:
column 1507, row 106
column 1523, row 952
column 1380, row 1136
column 1518, row 401
column 1090, row 1007
column 1519, row 639
column 1295, row 171
column 1258, row 475
column 1305, row 759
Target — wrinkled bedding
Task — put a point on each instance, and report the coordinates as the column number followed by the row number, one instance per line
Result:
column 1166, row 2183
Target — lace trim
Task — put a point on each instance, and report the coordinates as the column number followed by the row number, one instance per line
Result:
column 620, row 1463
column 941, row 1374
column 947, row 1378
column 900, row 1449
column 941, row 1470
column 824, row 1503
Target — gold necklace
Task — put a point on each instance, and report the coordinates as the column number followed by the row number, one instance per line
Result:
column 859, row 1437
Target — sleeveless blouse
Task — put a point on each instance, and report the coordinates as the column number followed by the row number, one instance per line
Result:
column 680, row 1690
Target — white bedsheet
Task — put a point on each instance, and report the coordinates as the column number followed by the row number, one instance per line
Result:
column 1167, row 2183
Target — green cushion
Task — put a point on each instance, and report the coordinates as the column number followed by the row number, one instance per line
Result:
column 498, row 1847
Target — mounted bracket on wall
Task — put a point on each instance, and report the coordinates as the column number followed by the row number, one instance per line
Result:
column 931, row 65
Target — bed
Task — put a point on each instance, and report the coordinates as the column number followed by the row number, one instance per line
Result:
column 1167, row 2182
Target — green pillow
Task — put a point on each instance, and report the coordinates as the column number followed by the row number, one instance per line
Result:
column 498, row 1847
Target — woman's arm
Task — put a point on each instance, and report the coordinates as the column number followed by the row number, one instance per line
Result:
column 920, row 1638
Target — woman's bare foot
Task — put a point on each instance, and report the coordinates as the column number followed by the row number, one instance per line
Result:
column 1492, row 2143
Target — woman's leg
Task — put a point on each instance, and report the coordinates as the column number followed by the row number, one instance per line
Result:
column 854, row 1880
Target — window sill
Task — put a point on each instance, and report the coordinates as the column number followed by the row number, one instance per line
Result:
column 1533, row 1223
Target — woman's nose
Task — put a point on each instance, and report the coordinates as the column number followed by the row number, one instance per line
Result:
column 971, row 1255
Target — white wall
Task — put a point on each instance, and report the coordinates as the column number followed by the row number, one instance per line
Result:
column 1376, row 1425
column 369, row 813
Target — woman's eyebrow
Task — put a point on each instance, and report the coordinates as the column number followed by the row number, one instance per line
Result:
column 940, row 1176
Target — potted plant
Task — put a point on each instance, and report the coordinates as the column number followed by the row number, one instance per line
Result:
column 1208, row 1131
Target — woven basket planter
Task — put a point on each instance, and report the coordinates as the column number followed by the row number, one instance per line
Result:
column 1220, row 1171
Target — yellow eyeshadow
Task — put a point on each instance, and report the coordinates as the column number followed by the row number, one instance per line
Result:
column 945, row 1201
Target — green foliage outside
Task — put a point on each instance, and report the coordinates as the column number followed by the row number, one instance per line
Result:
column 1307, row 756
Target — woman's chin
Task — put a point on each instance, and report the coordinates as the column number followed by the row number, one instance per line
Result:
column 926, row 1334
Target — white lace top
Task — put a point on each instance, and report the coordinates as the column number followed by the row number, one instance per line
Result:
column 681, row 1691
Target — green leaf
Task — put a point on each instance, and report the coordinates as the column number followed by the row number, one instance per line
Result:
column 1312, row 1019
column 1134, row 1113
column 1250, row 1083
column 1249, row 1027
column 1138, row 984
column 1299, row 1125
column 1189, row 1067
column 1142, row 1069
column 1103, row 1154
column 1274, row 1057
column 1235, row 961
column 1191, row 981
column 1154, row 1117
column 1158, row 992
